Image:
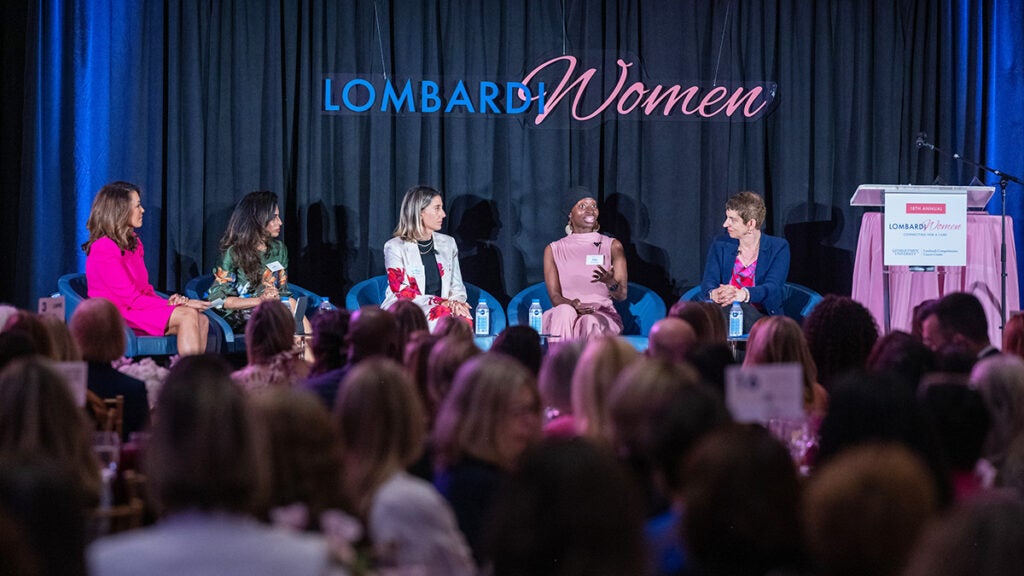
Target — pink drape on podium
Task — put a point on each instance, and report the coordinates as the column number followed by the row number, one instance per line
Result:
column 906, row 289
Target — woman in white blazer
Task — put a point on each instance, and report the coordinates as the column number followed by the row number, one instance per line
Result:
column 423, row 264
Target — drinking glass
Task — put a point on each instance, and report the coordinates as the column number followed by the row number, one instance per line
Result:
column 107, row 447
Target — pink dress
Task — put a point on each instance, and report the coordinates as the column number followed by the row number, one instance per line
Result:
column 575, row 275
column 123, row 279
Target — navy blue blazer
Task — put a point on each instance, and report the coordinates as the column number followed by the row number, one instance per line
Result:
column 769, row 279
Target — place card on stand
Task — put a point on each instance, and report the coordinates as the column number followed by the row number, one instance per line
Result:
column 52, row 306
column 763, row 392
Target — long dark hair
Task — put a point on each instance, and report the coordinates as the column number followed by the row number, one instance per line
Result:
column 110, row 216
column 247, row 229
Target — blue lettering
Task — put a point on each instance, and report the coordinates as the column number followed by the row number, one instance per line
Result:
column 488, row 92
column 369, row 102
column 510, row 99
column 429, row 102
column 459, row 98
column 540, row 97
column 327, row 96
column 398, row 101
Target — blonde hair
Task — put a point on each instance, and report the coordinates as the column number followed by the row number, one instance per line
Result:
column 98, row 328
column 779, row 339
column 415, row 201
column 601, row 362
column 381, row 423
column 62, row 344
column 111, row 215
column 480, row 401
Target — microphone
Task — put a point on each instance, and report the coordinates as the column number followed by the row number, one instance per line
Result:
column 922, row 141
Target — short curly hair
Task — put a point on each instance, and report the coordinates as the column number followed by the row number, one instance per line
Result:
column 840, row 333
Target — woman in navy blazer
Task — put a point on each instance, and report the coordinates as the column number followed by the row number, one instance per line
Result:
column 748, row 266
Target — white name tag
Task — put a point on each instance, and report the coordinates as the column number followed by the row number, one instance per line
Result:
column 595, row 259
column 275, row 266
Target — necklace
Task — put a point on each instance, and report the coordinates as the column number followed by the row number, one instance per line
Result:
column 425, row 247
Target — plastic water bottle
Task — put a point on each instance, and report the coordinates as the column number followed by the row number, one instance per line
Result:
column 535, row 315
column 325, row 306
column 482, row 322
column 735, row 320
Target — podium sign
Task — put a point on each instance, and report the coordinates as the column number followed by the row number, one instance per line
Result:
column 925, row 228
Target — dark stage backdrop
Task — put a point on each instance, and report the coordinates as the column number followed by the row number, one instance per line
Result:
column 200, row 102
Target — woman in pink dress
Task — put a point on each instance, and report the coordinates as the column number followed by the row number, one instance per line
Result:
column 584, row 272
column 115, row 269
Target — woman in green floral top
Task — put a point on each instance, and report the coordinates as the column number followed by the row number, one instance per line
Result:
column 254, row 265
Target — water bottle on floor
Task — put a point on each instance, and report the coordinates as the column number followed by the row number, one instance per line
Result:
column 535, row 315
column 735, row 320
column 482, row 321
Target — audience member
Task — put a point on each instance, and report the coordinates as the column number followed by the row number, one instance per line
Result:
column 410, row 320
column 901, row 356
column 416, row 357
column 38, row 418
column 602, row 361
column 62, row 344
column 270, row 344
column 16, row 556
column 923, row 308
column 98, row 328
column 568, row 511
column 864, row 511
column 1000, row 379
column 305, row 457
column 381, row 424
column 961, row 422
column 490, row 417
column 330, row 349
column 6, row 311
column 670, row 339
column 207, row 474
column 454, row 326
column 29, row 324
column 521, row 343
column 711, row 359
column 1013, row 335
column 985, row 537
column 741, row 495
column 957, row 319
column 705, row 320
column 14, row 345
column 371, row 332
column 555, row 385
column 446, row 357
column 778, row 339
column 840, row 334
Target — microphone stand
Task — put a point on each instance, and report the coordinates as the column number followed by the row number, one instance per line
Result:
column 1004, row 179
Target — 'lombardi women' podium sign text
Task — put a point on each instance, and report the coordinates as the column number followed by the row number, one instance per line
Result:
column 926, row 228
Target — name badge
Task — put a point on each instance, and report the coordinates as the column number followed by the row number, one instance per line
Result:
column 275, row 266
column 595, row 259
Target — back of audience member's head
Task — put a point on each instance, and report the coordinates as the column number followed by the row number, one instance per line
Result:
column 921, row 311
column 38, row 417
column 961, row 422
column 569, row 511
column 446, row 357
column 671, row 339
column 864, row 510
column 204, row 452
column 372, row 332
column 1013, row 335
column 902, row 356
column 778, row 339
column 98, row 328
column 840, row 334
column 29, row 324
column 984, row 537
column 304, row 451
column 1000, row 379
column 955, row 359
column 415, row 360
column 62, row 345
column 686, row 417
column 14, row 345
column 16, row 555
column 741, row 495
column 410, row 319
column 492, row 413
column 957, row 318
column 876, row 408
column 711, row 359
column 41, row 497
column 381, row 424
column 521, row 343
column 269, row 331
column 555, row 378
column 330, row 349
column 602, row 361
column 696, row 315
column 6, row 311
column 454, row 326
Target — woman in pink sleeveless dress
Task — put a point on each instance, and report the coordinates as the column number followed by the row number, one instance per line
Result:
column 584, row 272
column 115, row 269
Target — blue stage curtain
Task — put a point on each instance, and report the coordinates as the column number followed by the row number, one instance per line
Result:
column 199, row 102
